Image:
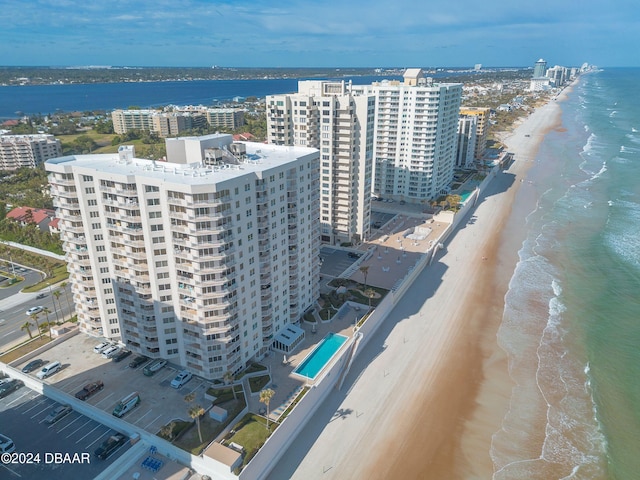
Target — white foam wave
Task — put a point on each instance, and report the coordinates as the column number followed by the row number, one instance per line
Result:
column 621, row 233
column 634, row 130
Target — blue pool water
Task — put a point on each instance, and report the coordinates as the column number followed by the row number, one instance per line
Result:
column 320, row 356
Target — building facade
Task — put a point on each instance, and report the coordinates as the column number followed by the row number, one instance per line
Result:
column 481, row 114
column 416, row 135
column 172, row 123
column 199, row 264
column 326, row 116
column 17, row 151
column 467, row 129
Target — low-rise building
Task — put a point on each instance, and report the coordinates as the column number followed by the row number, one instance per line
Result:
column 17, row 151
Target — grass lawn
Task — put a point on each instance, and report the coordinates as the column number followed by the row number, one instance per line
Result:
column 258, row 383
column 251, row 432
column 210, row 428
column 254, row 367
column 25, row 348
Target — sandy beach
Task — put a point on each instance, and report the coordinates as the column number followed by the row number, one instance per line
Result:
column 425, row 395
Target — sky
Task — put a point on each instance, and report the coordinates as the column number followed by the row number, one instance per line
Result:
column 319, row 33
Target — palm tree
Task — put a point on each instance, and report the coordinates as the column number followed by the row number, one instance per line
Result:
column 365, row 271
column 265, row 397
column 194, row 411
column 228, row 378
column 34, row 317
column 56, row 295
column 63, row 286
column 370, row 293
column 46, row 311
column 27, row 327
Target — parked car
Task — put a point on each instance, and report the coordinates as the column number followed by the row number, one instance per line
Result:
column 127, row 404
column 353, row 255
column 101, row 347
column 57, row 414
column 34, row 310
column 48, row 370
column 137, row 361
column 121, row 355
column 110, row 445
column 182, row 378
column 154, row 367
column 9, row 386
column 6, row 444
column 89, row 389
column 32, row 365
column 110, row 351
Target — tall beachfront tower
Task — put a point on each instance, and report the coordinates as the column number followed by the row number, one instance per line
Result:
column 482, row 125
column 203, row 260
column 540, row 69
column 326, row 116
column 467, row 130
column 416, row 134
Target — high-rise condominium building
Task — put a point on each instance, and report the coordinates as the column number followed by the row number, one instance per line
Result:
column 540, row 69
column 204, row 261
column 18, row 151
column 467, row 137
column 326, row 116
column 481, row 114
column 416, row 133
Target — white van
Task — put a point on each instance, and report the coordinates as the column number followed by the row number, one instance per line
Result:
column 127, row 404
column 6, row 445
column 48, row 370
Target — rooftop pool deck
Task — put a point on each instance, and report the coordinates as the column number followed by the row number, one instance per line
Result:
column 318, row 358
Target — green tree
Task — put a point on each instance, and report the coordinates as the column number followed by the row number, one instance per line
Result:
column 364, row 269
column 228, row 378
column 27, row 327
column 265, row 397
column 46, row 311
column 195, row 412
column 104, row 126
column 34, row 317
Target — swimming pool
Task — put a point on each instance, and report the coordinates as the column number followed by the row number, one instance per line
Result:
column 320, row 356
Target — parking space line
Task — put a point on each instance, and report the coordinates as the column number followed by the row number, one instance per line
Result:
column 96, row 427
column 105, row 398
column 19, row 398
column 152, row 421
column 36, row 414
column 98, row 438
column 73, row 385
column 79, row 428
column 12, row 471
column 148, row 412
column 44, row 399
column 70, row 423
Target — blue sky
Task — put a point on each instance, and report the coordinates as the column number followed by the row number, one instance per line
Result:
column 331, row 33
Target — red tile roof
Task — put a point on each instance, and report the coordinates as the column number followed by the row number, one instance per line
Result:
column 20, row 214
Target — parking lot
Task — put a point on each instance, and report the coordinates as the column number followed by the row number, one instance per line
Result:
column 160, row 403
column 22, row 418
column 335, row 261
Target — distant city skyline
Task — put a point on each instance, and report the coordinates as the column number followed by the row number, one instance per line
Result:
column 309, row 34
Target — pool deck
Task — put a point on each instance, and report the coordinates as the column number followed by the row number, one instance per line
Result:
column 393, row 256
column 285, row 383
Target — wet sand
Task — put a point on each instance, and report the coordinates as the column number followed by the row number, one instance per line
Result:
column 433, row 385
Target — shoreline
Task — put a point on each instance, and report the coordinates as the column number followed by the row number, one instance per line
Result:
column 428, row 404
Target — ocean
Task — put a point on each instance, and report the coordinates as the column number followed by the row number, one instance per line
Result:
column 571, row 325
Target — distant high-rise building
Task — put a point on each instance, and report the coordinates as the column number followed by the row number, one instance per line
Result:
column 540, row 69
column 416, row 135
column 482, row 125
column 207, row 266
column 17, row 151
column 326, row 116
column 467, row 130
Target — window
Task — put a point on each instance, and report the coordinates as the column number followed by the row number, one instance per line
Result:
column 153, row 201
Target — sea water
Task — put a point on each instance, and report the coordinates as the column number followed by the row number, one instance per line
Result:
column 571, row 326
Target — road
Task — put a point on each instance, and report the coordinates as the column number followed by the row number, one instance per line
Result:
column 14, row 304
